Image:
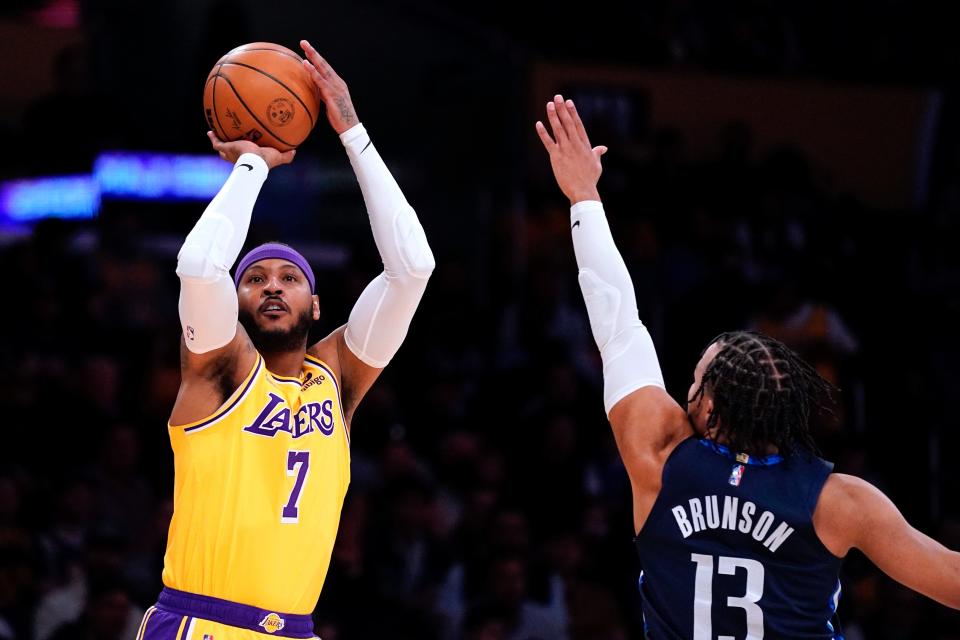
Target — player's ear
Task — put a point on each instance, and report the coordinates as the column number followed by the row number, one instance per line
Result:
column 316, row 307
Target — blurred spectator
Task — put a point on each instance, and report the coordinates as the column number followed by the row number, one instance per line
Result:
column 108, row 615
column 522, row 618
column 90, row 596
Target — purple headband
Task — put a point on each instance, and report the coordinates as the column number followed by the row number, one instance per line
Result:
column 274, row 250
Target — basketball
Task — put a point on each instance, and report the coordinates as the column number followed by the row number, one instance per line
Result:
column 261, row 92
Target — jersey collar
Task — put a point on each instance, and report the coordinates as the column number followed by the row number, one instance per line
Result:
column 742, row 458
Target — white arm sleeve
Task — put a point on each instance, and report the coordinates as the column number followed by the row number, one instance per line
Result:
column 381, row 316
column 629, row 358
column 208, row 298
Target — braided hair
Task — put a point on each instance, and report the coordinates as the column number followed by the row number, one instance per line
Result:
column 763, row 394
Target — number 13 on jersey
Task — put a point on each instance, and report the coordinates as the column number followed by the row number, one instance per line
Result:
column 703, row 596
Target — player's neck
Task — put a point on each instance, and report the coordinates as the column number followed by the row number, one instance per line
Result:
column 288, row 364
column 769, row 450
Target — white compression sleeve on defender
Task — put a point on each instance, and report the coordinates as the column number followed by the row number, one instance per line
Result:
column 629, row 358
column 208, row 298
column 381, row 316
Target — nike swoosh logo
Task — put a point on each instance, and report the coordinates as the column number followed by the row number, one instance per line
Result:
column 368, row 146
column 248, row 166
column 575, row 224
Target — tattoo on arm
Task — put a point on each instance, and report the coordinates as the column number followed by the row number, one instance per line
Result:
column 346, row 110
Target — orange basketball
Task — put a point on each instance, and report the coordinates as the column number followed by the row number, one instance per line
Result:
column 261, row 92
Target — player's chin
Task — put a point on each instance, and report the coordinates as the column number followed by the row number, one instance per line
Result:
column 277, row 326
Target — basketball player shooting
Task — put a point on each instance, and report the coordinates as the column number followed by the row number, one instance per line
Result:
column 260, row 428
column 740, row 528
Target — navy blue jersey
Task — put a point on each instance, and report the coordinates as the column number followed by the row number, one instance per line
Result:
column 729, row 551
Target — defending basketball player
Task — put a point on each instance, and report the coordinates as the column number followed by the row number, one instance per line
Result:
column 260, row 428
column 741, row 529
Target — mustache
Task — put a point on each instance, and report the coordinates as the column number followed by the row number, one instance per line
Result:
column 277, row 300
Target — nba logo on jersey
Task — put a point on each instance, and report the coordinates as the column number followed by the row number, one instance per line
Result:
column 207, row 636
column 272, row 623
column 736, row 475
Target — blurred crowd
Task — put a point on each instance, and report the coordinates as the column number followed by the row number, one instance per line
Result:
column 487, row 499
column 894, row 41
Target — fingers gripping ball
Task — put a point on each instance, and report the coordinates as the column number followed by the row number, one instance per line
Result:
column 261, row 92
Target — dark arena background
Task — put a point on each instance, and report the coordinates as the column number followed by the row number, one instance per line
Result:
column 789, row 167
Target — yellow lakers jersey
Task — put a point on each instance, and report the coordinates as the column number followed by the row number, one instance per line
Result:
column 258, row 491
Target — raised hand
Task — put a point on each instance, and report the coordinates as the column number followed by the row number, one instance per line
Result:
column 576, row 165
column 230, row 151
column 333, row 90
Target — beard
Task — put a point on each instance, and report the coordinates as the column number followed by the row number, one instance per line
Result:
column 277, row 340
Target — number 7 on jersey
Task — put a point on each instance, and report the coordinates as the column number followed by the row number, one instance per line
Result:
column 298, row 463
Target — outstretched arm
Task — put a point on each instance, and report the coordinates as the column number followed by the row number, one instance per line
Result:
column 213, row 343
column 881, row 532
column 382, row 314
column 646, row 422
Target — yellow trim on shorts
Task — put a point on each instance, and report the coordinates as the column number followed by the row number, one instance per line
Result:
column 143, row 625
column 183, row 623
